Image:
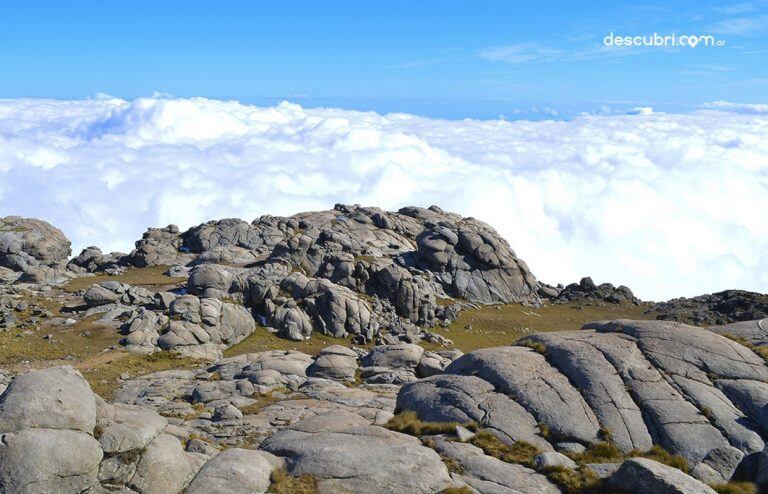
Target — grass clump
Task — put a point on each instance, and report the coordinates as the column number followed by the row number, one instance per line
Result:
column 608, row 452
column 536, row 346
column 657, row 453
column 544, row 430
column 282, row 483
column 735, row 488
column 580, row 481
column 409, row 423
column 264, row 401
column 457, row 490
column 520, row 452
column 600, row 452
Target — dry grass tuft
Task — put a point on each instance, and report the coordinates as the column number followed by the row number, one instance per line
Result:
column 282, row 483
column 520, row 452
column 409, row 423
column 736, row 488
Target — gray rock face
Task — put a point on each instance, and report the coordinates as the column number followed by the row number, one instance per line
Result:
column 392, row 364
column 466, row 399
column 641, row 475
column 92, row 260
column 349, row 455
column 233, row 471
column 27, row 242
column 527, row 378
column 164, row 468
column 53, row 398
column 350, row 271
column 587, row 291
column 48, row 460
column 578, row 355
column 471, row 260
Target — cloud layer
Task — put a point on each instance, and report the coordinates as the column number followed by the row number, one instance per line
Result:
column 669, row 205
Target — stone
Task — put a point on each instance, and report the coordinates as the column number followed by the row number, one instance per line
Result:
column 464, row 434
column 28, row 242
column 403, row 355
column 641, row 475
column 44, row 460
column 233, row 471
column 124, row 427
column 347, row 454
column 164, row 468
column 53, row 398
column 97, row 295
column 552, row 459
column 227, row 412
column 334, row 362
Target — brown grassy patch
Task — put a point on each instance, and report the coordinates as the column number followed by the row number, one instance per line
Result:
column 661, row 455
column 579, row 481
column 81, row 340
column 735, row 488
column 608, row 452
column 282, row 483
column 520, row 452
column 104, row 374
column 152, row 277
column 409, row 423
column 457, row 490
column 601, row 452
column 496, row 325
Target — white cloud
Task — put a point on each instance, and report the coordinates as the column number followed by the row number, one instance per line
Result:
column 520, row 52
column 668, row 204
column 746, row 108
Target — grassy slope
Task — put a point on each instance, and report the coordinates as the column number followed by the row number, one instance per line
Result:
column 496, row 325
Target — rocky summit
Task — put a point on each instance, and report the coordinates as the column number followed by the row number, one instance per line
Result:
column 360, row 350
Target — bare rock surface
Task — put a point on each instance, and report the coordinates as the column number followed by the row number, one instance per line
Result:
column 347, row 454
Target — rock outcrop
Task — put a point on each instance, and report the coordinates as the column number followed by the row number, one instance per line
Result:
column 587, row 291
column 640, row 383
column 725, row 307
column 352, row 272
column 33, row 247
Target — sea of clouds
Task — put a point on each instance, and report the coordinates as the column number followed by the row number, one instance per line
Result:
column 668, row 204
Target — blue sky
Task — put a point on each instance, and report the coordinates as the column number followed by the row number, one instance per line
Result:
column 447, row 59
